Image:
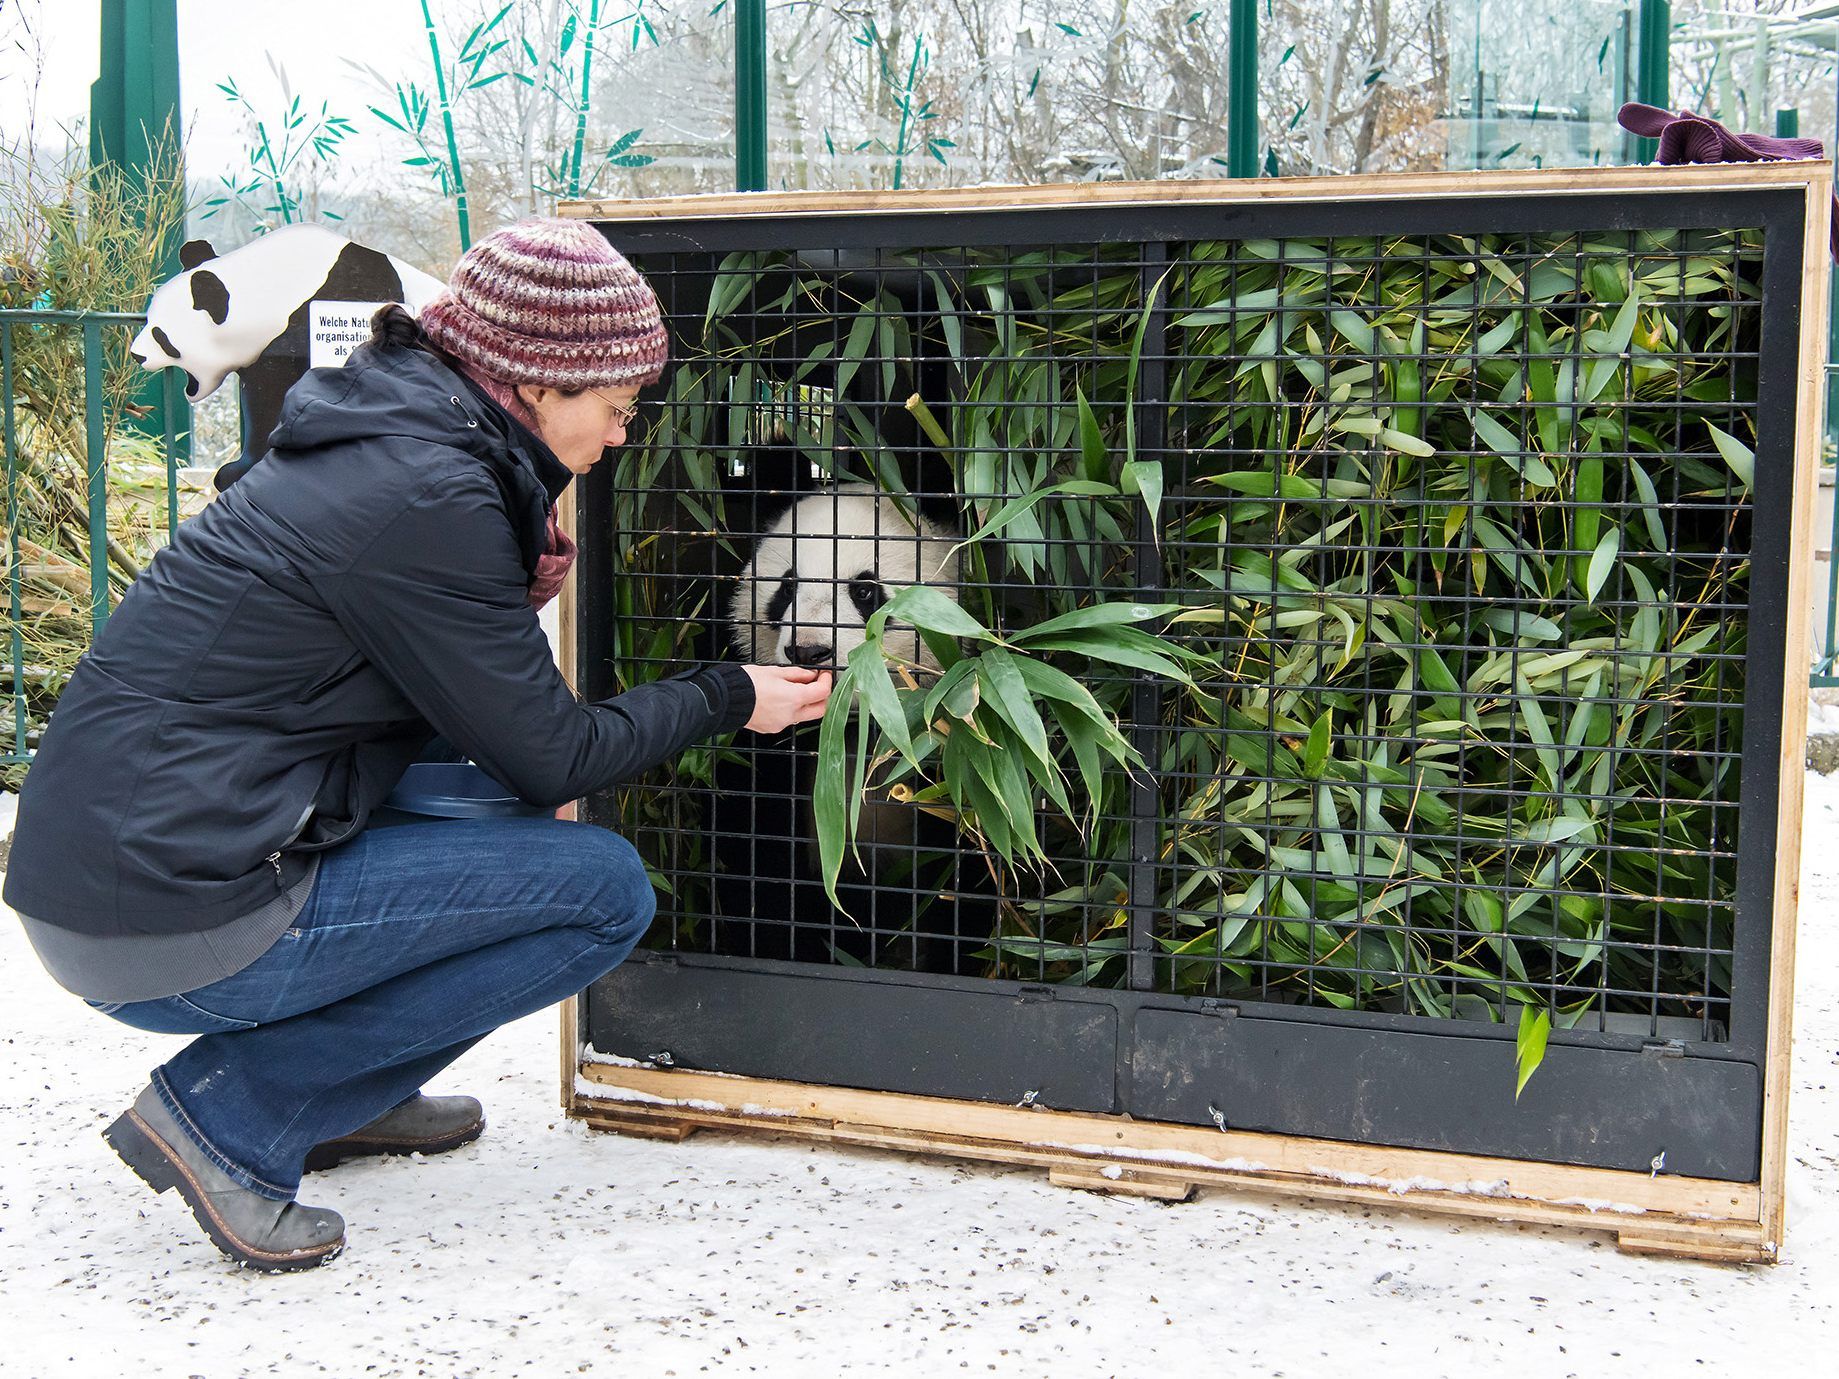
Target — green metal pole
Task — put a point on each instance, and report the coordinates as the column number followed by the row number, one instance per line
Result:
column 750, row 95
column 1242, row 90
column 1787, row 124
column 134, row 123
column 1651, row 72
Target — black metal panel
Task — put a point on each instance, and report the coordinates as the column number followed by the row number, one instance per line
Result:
column 985, row 1041
column 1602, row 1107
column 1777, row 383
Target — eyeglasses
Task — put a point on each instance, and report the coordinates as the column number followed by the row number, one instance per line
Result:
column 623, row 413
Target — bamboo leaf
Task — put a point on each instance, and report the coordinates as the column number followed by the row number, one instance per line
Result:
column 830, row 793
column 1315, row 752
column 1602, row 561
column 869, row 668
column 1094, row 615
column 1007, row 693
column 1095, row 459
column 1740, row 458
column 1529, row 1045
column 924, row 606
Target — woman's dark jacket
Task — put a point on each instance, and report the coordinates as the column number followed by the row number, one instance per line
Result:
column 300, row 642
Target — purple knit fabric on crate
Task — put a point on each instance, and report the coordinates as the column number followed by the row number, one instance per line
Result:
column 1689, row 138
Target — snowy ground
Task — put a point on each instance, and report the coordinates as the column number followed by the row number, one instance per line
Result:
column 546, row 1249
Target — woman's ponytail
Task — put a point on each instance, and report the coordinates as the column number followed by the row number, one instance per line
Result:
column 393, row 328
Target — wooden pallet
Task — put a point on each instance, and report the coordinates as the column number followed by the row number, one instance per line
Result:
column 1690, row 1218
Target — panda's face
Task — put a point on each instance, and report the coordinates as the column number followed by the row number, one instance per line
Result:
column 189, row 326
column 824, row 568
column 186, row 329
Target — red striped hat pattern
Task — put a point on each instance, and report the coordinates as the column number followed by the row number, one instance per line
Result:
column 550, row 302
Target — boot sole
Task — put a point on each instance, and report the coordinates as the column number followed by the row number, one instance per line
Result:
column 335, row 1152
column 159, row 1168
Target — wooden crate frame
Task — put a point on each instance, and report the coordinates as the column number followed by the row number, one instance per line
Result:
column 1649, row 1214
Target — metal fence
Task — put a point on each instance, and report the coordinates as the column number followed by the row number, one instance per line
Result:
column 88, row 495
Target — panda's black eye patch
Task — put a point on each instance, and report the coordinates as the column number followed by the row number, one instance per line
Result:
column 867, row 593
column 164, row 341
column 210, row 296
column 782, row 597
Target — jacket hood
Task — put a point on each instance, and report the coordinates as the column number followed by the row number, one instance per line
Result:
column 398, row 391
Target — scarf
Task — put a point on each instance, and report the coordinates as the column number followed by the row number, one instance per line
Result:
column 552, row 565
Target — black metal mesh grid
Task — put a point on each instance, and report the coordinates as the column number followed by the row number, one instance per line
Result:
column 1467, row 733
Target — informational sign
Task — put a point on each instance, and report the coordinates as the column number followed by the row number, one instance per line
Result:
column 337, row 328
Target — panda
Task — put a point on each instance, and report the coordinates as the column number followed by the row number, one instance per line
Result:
column 249, row 312
column 920, row 897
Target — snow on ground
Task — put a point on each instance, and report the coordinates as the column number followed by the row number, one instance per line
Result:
column 547, row 1249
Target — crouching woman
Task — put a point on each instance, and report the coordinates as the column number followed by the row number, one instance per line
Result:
column 191, row 855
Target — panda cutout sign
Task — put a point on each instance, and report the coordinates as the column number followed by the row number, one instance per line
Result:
column 296, row 298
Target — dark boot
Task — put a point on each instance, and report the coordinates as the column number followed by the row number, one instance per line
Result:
column 256, row 1231
column 421, row 1125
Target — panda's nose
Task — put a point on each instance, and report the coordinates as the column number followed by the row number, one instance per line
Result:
column 809, row 653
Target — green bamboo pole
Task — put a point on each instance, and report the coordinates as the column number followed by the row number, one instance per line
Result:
column 453, row 144
column 750, row 95
column 1242, row 90
column 587, row 68
column 906, row 112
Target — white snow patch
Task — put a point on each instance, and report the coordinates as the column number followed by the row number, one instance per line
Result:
column 1159, row 1156
column 600, row 1091
column 1596, row 1204
column 546, row 1248
column 1398, row 1187
column 1822, row 718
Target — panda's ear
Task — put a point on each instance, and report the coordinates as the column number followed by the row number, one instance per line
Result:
column 196, row 251
column 210, row 296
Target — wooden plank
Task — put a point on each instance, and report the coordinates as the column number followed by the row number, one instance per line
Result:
column 644, row 1127
column 568, row 518
column 1125, row 1182
column 567, row 508
column 1385, row 186
column 1680, row 1230
column 1485, row 1186
column 1730, row 1247
column 1791, row 770
column 570, row 1025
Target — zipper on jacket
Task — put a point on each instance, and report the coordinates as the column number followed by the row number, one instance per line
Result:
column 274, row 860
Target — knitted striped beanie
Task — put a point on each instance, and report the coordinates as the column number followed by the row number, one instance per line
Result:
column 549, row 302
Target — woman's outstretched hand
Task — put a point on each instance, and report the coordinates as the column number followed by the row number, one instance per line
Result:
column 784, row 695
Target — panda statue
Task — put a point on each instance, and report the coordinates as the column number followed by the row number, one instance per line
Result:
column 817, row 573
column 253, row 311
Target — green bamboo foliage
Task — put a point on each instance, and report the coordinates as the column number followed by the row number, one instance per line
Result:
column 1399, row 581
column 85, row 240
column 284, row 144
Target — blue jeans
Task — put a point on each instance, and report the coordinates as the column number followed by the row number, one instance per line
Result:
column 415, row 943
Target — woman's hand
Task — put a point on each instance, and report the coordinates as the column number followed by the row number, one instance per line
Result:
column 784, row 695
